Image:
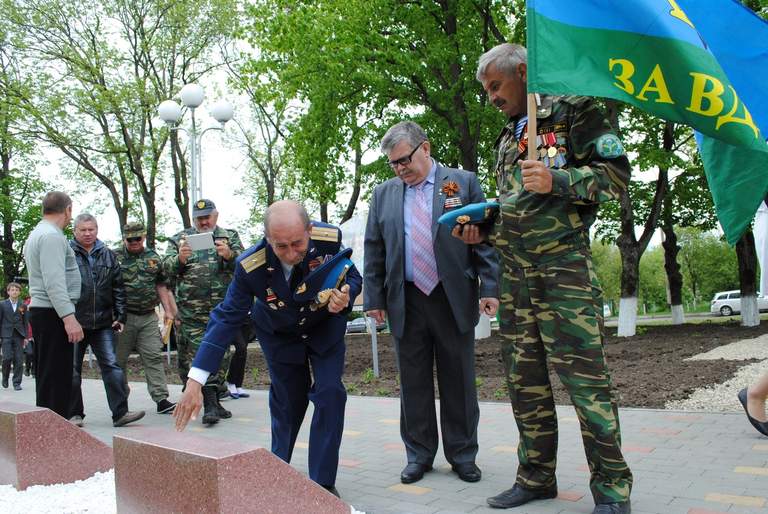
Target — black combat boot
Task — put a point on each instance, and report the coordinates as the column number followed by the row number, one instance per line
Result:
column 210, row 407
column 223, row 413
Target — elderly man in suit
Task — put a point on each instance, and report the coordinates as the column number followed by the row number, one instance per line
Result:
column 13, row 331
column 432, row 289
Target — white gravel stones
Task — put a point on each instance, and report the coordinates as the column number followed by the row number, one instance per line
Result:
column 93, row 495
column 756, row 348
column 722, row 397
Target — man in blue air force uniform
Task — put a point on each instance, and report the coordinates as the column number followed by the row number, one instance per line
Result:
column 294, row 335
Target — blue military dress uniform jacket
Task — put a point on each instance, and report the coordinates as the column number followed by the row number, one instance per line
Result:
column 286, row 329
column 291, row 333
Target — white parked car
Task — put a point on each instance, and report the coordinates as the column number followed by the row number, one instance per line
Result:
column 729, row 302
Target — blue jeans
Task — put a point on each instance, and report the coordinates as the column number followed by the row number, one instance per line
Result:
column 102, row 341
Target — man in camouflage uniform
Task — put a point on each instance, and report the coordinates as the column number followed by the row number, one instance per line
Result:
column 145, row 284
column 551, row 300
column 201, row 279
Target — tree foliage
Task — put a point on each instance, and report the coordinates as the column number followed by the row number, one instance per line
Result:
column 355, row 67
column 99, row 71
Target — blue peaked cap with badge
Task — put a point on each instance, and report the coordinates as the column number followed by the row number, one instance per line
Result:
column 318, row 284
column 472, row 214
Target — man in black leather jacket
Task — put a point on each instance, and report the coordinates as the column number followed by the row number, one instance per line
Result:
column 101, row 313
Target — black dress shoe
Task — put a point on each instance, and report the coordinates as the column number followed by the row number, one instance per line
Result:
column 467, row 471
column 760, row 426
column 332, row 489
column 519, row 495
column 613, row 508
column 414, row 472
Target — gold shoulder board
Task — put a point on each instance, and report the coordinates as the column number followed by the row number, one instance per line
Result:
column 254, row 261
column 325, row 234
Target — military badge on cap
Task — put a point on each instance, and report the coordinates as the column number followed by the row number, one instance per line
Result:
column 203, row 208
column 474, row 214
column 318, row 284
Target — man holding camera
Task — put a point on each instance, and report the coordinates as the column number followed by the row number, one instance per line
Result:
column 201, row 277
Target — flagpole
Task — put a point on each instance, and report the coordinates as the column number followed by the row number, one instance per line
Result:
column 533, row 153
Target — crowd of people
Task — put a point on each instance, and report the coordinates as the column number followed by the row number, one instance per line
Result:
column 531, row 265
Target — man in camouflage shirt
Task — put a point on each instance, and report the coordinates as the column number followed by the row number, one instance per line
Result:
column 201, row 278
column 551, row 300
column 145, row 284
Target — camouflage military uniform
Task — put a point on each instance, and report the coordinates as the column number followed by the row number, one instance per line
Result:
column 200, row 285
column 142, row 273
column 550, row 296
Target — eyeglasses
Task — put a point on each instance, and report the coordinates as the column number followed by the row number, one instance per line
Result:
column 132, row 239
column 405, row 161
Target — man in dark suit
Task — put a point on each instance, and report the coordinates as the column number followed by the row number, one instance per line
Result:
column 13, row 331
column 302, row 338
column 427, row 285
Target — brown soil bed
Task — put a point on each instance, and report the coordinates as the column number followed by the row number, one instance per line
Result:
column 648, row 369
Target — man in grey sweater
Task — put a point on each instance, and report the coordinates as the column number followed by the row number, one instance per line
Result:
column 54, row 285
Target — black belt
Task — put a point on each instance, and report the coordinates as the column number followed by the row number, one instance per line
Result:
column 141, row 313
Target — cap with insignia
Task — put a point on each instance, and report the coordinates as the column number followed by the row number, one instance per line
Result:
column 134, row 229
column 473, row 214
column 318, row 284
column 203, row 208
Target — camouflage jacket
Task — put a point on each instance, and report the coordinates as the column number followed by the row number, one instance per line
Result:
column 141, row 273
column 202, row 282
column 589, row 166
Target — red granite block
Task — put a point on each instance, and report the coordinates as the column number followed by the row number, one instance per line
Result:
column 39, row 447
column 161, row 470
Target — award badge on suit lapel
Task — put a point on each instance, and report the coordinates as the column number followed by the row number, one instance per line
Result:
column 450, row 189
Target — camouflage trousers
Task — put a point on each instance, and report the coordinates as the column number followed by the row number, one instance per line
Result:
column 553, row 312
column 189, row 337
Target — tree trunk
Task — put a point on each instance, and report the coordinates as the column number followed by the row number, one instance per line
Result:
column 10, row 269
column 630, row 247
column 180, row 189
column 324, row 211
column 355, row 187
column 747, row 258
column 672, row 267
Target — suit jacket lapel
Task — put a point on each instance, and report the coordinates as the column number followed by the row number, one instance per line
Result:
column 438, row 197
column 399, row 199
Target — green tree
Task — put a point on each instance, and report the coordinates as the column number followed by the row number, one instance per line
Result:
column 20, row 187
column 708, row 263
column 356, row 66
column 100, row 70
column 607, row 262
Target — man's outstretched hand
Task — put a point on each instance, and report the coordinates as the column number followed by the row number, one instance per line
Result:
column 189, row 405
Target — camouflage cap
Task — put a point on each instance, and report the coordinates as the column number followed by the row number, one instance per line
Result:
column 134, row 229
column 203, row 208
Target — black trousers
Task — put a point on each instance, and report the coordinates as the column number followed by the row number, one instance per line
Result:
column 53, row 361
column 13, row 355
column 236, row 373
column 431, row 339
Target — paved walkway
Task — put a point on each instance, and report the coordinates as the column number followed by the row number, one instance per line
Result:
column 683, row 462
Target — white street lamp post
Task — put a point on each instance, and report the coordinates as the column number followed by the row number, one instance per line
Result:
column 192, row 96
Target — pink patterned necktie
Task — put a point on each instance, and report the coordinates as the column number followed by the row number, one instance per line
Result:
column 423, row 252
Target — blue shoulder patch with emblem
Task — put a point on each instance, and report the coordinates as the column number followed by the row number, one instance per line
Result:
column 608, row 146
